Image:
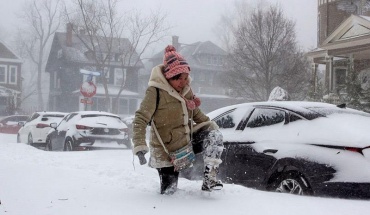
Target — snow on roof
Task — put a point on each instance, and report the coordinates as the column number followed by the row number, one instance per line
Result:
column 77, row 52
column 4, row 91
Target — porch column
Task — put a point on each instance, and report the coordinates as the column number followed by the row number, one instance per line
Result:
column 351, row 65
column 314, row 76
column 329, row 74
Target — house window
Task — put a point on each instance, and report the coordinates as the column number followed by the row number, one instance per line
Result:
column 106, row 72
column 340, row 77
column 13, row 75
column 123, row 106
column 3, row 75
column 99, row 104
column 119, row 76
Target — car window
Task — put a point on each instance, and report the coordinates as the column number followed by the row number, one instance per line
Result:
column 70, row 116
column 22, row 118
column 232, row 118
column 293, row 117
column 225, row 120
column 265, row 117
column 33, row 117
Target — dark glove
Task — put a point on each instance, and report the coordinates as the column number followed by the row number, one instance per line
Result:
column 141, row 157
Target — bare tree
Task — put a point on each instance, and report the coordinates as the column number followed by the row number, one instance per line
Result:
column 98, row 20
column 106, row 31
column 30, row 83
column 142, row 32
column 265, row 55
column 42, row 20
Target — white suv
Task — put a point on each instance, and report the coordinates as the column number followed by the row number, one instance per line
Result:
column 34, row 130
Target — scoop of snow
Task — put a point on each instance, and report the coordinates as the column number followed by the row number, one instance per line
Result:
column 279, row 94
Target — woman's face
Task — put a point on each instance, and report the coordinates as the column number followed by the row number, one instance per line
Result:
column 180, row 83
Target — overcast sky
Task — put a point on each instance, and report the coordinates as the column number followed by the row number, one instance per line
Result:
column 192, row 20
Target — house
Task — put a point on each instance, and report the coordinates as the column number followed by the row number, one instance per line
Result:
column 10, row 80
column 343, row 45
column 206, row 61
column 69, row 54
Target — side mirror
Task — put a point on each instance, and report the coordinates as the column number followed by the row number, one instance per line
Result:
column 21, row 123
column 53, row 125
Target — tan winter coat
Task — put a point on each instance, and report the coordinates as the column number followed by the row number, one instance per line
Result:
column 171, row 119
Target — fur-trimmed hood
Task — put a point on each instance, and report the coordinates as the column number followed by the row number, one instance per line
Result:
column 158, row 80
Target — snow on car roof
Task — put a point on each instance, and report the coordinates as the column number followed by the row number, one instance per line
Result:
column 84, row 113
column 47, row 113
column 300, row 106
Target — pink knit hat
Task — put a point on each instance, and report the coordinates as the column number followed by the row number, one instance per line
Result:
column 174, row 63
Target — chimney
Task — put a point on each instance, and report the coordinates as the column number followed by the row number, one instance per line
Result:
column 69, row 35
column 175, row 42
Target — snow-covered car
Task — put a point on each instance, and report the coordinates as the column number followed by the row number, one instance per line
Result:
column 34, row 130
column 11, row 124
column 88, row 129
column 304, row 148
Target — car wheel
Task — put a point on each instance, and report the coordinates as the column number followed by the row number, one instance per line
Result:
column 293, row 183
column 127, row 143
column 68, row 145
column 48, row 146
column 30, row 140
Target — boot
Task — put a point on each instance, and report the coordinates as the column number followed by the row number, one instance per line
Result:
column 168, row 180
column 210, row 182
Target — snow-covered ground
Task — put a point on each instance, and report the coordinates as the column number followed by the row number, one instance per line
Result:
column 33, row 181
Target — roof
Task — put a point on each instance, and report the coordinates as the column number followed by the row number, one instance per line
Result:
column 77, row 52
column 191, row 53
column 7, row 55
column 351, row 36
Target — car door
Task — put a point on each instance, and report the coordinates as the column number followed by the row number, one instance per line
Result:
column 229, row 123
column 250, row 159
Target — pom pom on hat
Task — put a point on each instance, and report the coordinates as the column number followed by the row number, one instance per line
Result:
column 174, row 63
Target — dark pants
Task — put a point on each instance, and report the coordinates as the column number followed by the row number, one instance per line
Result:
column 169, row 178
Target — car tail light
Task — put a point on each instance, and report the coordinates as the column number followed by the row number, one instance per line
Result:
column 42, row 125
column 83, row 127
column 123, row 130
column 354, row 149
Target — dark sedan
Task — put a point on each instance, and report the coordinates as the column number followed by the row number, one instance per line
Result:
column 303, row 148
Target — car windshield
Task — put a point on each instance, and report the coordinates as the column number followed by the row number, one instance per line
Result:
column 328, row 111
